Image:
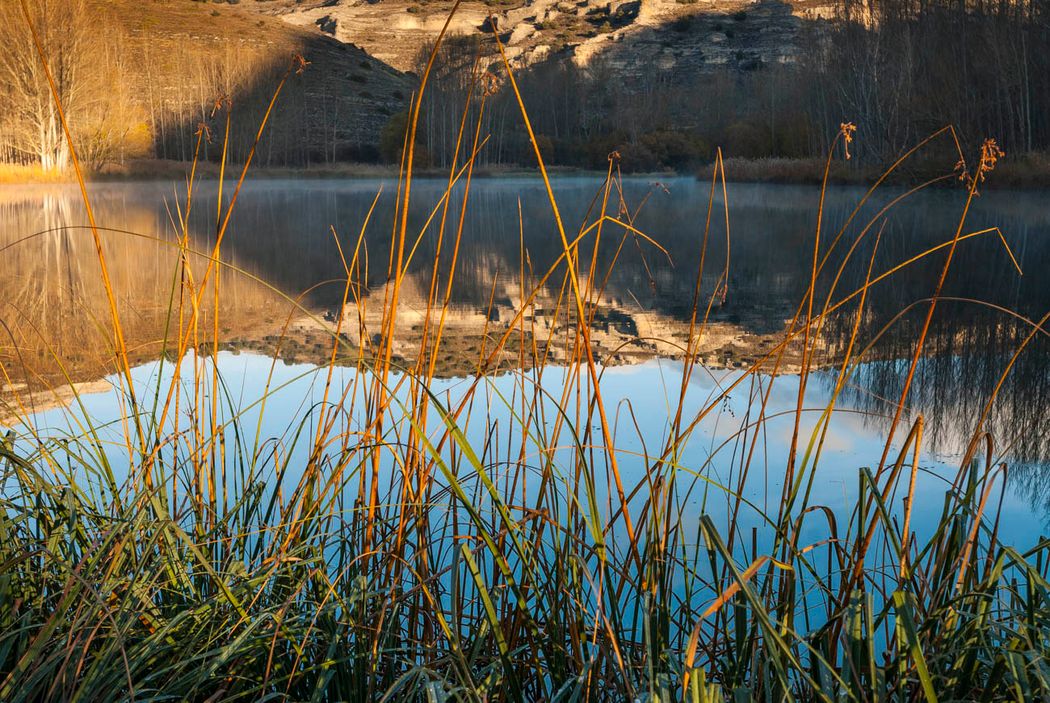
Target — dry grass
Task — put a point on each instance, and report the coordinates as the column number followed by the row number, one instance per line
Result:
column 1029, row 171
column 18, row 173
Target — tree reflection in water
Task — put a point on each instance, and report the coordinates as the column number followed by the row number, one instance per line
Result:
column 52, row 300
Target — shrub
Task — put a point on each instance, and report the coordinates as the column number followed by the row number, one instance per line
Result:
column 392, row 139
column 747, row 139
column 636, row 157
column 676, row 149
column 546, row 146
column 596, row 149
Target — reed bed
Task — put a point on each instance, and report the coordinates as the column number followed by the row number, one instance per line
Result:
column 395, row 544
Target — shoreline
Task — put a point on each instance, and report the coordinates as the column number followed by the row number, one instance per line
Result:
column 1028, row 172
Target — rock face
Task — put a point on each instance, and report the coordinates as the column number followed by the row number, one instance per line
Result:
column 634, row 36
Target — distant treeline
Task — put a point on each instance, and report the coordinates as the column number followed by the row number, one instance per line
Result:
column 898, row 69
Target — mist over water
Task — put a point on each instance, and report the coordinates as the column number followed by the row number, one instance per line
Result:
column 282, row 234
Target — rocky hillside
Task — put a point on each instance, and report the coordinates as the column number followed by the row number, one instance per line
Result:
column 190, row 53
column 635, row 36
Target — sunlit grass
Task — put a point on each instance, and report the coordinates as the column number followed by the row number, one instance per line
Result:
column 26, row 173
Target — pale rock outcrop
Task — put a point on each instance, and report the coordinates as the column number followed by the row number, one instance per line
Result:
column 634, row 36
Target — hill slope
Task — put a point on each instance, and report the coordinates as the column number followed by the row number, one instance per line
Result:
column 334, row 110
column 145, row 85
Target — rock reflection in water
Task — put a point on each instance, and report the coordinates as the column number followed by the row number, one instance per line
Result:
column 281, row 233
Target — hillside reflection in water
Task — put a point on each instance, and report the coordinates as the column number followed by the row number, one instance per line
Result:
column 55, row 318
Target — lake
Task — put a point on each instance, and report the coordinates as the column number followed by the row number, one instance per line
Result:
column 283, row 286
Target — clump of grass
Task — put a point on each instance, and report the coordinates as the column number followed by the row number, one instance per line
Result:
column 378, row 552
column 25, row 173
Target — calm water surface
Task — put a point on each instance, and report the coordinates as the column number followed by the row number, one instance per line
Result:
column 282, row 243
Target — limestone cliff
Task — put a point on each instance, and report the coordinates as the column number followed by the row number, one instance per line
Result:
column 634, row 36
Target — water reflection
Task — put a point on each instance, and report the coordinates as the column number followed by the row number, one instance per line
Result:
column 708, row 467
column 54, row 315
column 56, row 321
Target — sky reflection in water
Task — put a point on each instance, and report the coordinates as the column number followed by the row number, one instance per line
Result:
column 639, row 399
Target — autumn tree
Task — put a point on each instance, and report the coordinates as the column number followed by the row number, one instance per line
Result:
column 30, row 117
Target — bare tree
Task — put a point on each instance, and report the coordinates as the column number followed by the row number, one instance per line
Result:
column 30, row 118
